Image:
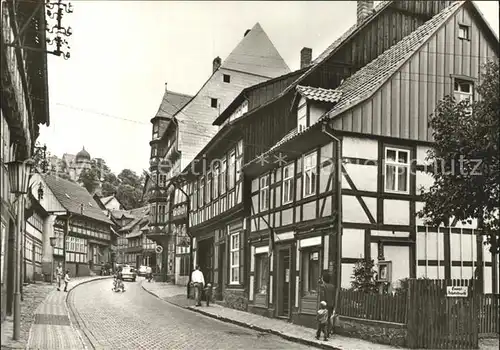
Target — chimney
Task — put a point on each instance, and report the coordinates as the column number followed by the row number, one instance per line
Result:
column 364, row 10
column 246, row 32
column 165, row 86
column 216, row 64
column 305, row 57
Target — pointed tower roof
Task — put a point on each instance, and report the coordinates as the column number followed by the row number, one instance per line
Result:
column 256, row 54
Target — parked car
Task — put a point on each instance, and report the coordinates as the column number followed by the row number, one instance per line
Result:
column 129, row 273
column 142, row 270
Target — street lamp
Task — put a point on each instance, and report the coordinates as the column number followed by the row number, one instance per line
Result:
column 53, row 241
column 19, row 172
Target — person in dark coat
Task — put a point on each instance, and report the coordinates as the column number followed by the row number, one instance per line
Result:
column 327, row 293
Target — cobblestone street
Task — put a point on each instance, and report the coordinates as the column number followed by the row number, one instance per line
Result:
column 135, row 319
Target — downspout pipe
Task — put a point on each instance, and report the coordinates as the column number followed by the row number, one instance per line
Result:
column 338, row 257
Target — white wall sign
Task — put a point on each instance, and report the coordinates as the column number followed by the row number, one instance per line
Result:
column 461, row 292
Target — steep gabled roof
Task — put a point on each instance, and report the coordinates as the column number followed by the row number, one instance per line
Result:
column 72, row 196
column 256, row 54
column 171, row 103
column 366, row 81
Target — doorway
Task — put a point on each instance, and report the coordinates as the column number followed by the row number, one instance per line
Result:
column 205, row 254
column 284, row 282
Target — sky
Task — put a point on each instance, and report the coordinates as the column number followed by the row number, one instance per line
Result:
column 123, row 53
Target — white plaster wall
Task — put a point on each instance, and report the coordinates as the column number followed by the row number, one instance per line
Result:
column 371, row 204
column 400, row 257
column 32, row 231
column 355, row 147
column 346, row 277
column 381, row 233
column 422, row 154
column 353, row 243
column 396, row 212
column 431, row 272
column 364, row 177
column 430, row 246
column 423, row 180
column 352, row 210
column 315, row 112
column 488, row 287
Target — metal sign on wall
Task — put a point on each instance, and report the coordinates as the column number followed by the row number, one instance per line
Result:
column 455, row 291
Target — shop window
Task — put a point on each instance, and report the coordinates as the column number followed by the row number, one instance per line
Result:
column 397, row 169
column 310, row 272
column 261, row 273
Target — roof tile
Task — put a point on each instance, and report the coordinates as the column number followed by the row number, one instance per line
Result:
column 72, row 196
column 319, row 94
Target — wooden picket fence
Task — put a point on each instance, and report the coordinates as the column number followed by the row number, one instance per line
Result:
column 377, row 307
column 436, row 321
column 489, row 324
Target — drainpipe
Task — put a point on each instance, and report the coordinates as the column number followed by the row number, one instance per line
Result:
column 338, row 256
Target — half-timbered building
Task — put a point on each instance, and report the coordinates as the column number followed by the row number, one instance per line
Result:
column 361, row 160
column 183, row 126
column 82, row 230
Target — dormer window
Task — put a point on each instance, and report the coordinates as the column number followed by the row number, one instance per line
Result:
column 463, row 32
column 302, row 117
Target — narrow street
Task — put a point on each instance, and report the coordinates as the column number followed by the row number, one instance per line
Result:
column 135, row 319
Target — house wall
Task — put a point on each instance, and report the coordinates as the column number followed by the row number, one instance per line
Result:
column 401, row 107
column 32, row 244
column 200, row 110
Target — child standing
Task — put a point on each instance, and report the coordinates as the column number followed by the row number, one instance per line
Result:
column 66, row 280
column 322, row 318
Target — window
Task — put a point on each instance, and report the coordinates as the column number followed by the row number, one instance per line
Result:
column 261, row 273
column 208, row 189
column 264, row 192
column 162, row 213
column 226, row 78
column 202, row 192
column 195, row 196
column 310, row 174
column 463, row 32
column 215, row 186
column 213, row 103
column 222, row 181
column 397, row 166
column 463, row 90
column 287, row 183
column 163, row 180
column 234, row 272
column 154, row 151
column 156, row 130
column 310, row 272
column 231, row 169
column 239, row 158
column 302, row 122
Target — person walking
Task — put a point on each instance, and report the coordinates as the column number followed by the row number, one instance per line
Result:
column 198, row 281
column 66, row 280
column 327, row 293
column 59, row 275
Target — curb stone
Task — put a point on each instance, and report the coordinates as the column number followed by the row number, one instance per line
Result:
column 74, row 321
column 251, row 326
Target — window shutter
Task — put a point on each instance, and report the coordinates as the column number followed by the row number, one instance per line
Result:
column 242, row 258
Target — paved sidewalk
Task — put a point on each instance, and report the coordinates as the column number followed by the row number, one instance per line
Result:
column 177, row 295
column 53, row 327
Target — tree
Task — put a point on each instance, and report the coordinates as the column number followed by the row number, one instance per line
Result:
column 129, row 190
column 363, row 277
column 466, row 160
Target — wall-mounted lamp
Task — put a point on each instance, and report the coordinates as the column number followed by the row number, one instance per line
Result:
column 40, row 191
